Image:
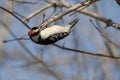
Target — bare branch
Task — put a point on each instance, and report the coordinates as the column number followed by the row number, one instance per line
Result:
column 25, row 2
column 6, row 41
column 108, row 22
column 104, row 35
column 15, row 16
column 37, row 12
column 73, row 8
column 88, row 53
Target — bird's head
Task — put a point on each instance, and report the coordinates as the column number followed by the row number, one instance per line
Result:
column 34, row 31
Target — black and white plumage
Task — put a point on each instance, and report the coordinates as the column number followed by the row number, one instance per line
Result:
column 51, row 34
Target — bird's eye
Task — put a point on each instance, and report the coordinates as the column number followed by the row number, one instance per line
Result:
column 31, row 32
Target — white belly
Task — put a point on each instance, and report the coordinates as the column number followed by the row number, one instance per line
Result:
column 53, row 30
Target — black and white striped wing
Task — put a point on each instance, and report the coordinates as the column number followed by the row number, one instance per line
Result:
column 56, row 37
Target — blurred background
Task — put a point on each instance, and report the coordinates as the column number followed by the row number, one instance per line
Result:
column 16, row 63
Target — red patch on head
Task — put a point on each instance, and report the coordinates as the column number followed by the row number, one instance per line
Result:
column 31, row 32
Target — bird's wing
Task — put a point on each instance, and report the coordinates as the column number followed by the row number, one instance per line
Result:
column 57, row 37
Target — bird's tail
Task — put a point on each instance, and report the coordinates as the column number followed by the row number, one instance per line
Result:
column 72, row 23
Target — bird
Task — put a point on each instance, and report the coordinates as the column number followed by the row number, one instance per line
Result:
column 48, row 35
column 51, row 34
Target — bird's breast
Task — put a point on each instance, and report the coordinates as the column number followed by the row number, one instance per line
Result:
column 35, row 38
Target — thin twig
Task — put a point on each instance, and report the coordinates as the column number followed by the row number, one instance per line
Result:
column 88, row 53
column 5, row 41
column 15, row 17
column 104, row 35
column 25, row 2
column 37, row 12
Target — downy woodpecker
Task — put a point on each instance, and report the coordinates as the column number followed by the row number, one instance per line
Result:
column 51, row 34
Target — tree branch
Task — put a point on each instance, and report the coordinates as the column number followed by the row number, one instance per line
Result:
column 25, row 2
column 73, row 8
column 108, row 22
column 88, row 53
column 37, row 12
